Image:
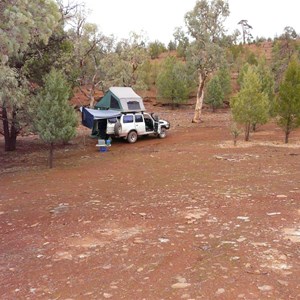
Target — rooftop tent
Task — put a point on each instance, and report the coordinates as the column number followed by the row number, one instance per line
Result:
column 91, row 115
column 122, row 99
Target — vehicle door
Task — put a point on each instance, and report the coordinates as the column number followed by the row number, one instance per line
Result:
column 128, row 123
column 140, row 124
column 149, row 123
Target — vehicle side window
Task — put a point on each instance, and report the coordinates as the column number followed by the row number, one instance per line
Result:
column 139, row 119
column 128, row 119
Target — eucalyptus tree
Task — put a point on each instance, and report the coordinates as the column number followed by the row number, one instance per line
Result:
column 22, row 24
column 205, row 24
column 181, row 41
column 90, row 48
column 127, row 63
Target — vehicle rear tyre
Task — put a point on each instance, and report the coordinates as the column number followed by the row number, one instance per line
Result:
column 163, row 133
column 117, row 129
column 132, row 137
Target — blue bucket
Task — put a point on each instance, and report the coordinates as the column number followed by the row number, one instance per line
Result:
column 102, row 149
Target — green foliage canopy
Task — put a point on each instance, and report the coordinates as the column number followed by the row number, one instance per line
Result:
column 288, row 101
column 214, row 94
column 172, row 82
column 55, row 120
column 251, row 105
column 23, row 22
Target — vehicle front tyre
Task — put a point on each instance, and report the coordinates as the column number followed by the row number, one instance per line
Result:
column 132, row 137
column 163, row 133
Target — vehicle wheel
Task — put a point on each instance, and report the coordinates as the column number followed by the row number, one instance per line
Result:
column 163, row 133
column 132, row 137
column 117, row 129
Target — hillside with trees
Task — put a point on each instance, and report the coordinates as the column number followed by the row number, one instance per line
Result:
column 92, row 62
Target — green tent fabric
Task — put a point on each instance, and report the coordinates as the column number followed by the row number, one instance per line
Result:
column 122, row 99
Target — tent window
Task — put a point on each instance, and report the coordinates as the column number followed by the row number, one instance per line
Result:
column 114, row 103
column 133, row 105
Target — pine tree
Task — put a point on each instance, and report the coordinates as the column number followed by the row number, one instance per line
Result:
column 225, row 81
column 214, row 94
column 288, row 101
column 55, row 119
column 267, row 83
column 251, row 105
column 172, row 82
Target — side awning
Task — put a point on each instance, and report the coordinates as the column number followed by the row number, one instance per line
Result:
column 90, row 115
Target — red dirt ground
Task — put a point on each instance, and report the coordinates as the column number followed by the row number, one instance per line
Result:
column 187, row 217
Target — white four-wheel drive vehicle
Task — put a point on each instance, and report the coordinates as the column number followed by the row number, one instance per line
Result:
column 132, row 125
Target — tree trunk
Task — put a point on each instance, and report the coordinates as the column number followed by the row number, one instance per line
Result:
column 92, row 101
column 200, row 97
column 247, row 131
column 286, row 139
column 287, row 130
column 51, row 155
column 10, row 134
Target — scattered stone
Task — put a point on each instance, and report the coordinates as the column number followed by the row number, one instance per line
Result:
column 106, row 267
column 259, row 244
column 281, row 196
column 138, row 241
column 235, row 258
column 282, row 282
column 265, row 288
column 292, row 234
column 107, row 296
column 164, row 240
column 180, row 285
column 220, row 291
column 62, row 255
column 246, row 219
column 218, row 157
column 274, row 213
column 181, row 279
column 241, row 239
